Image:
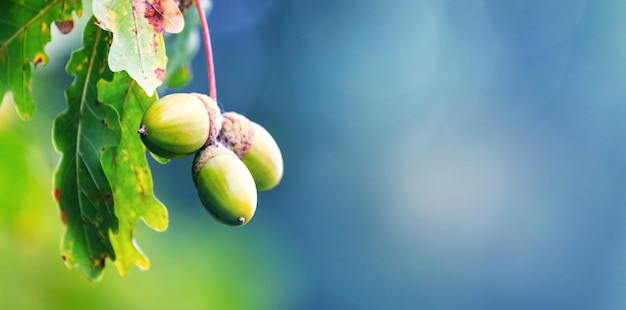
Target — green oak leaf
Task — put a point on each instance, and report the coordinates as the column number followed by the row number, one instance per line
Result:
column 126, row 168
column 137, row 27
column 187, row 43
column 25, row 31
column 81, row 133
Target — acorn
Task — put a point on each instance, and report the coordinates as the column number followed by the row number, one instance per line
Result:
column 255, row 147
column 178, row 125
column 225, row 186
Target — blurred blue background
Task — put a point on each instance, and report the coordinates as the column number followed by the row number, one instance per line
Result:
column 438, row 155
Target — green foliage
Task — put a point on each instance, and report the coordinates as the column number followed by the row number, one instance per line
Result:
column 25, row 31
column 102, row 183
column 81, row 134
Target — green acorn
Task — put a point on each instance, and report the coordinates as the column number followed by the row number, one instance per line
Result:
column 225, row 185
column 180, row 124
column 255, row 146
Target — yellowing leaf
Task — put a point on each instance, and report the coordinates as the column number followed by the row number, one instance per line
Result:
column 126, row 168
column 137, row 27
column 25, row 30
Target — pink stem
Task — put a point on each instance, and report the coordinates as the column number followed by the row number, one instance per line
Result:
column 207, row 50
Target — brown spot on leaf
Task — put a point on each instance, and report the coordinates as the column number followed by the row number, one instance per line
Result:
column 38, row 59
column 107, row 198
column 64, row 217
column 155, row 42
column 64, row 258
column 154, row 15
column 56, row 193
column 65, row 26
column 159, row 73
column 99, row 262
column 163, row 15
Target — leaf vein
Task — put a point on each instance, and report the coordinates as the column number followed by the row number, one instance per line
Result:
column 29, row 23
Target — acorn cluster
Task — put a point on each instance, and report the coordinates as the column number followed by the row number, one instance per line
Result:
column 234, row 157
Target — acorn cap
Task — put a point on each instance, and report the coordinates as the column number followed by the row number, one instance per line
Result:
column 225, row 186
column 237, row 133
column 255, row 146
column 214, row 114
